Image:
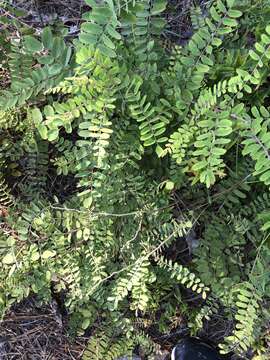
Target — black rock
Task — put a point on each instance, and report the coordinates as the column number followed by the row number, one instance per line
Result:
column 194, row 349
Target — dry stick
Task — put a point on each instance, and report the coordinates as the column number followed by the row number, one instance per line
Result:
column 140, row 211
column 25, row 317
column 7, row 13
column 134, row 237
column 146, row 257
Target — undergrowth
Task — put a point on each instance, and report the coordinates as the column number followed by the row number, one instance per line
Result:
column 104, row 136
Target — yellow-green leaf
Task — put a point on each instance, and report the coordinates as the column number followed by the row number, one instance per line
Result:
column 9, row 259
column 47, row 254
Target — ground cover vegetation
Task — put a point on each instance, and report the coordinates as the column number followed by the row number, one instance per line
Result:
column 117, row 145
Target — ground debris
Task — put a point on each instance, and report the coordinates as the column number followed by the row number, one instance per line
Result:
column 33, row 332
column 41, row 13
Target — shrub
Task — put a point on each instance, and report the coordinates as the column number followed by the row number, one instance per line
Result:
column 101, row 137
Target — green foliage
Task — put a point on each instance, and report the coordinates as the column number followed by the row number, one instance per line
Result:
column 220, row 256
column 34, row 66
column 5, row 196
column 131, row 175
column 247, row 318
column 257, row 143
column 101, row 347
column 185, row 277
column 99, row 31
column 152, row 119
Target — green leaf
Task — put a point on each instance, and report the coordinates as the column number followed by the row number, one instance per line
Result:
column 207, row 61
column 218, row 151
column 169, row 185
column 158, row 7
column 209, row 178
column 92, row 28
column 48, row 111
column 37, row 116
column 193, row 47
column 35, row 256
column 43, row 131
column 84, row 133
column 230, row 3
column 241, row 304
column 224, row 31
column 202, row 68
column 243, row 297
column 230, row 22
column 204, row 295
column 89, row 39
column 246, row 293
column 225, row 123
column 216, row 42
column 106, row 51
column 159, row 151
column 254, row 55
column 113, row 33
column 46, row 60
column 47, row 37
column 265, row 39
column 47, row 254
column 200, row 165
column 58, row 46
column 234, row 13
column 32, row 44
column 52, row 134
column 214, row 14
column 149, row 142
column 86, row 322
column 88, row 202
column 91, row 3
column 55, row 69
column 222, row 7
column 223, row 131
column 267, row 29
column 107, row 42
column 9, row 259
